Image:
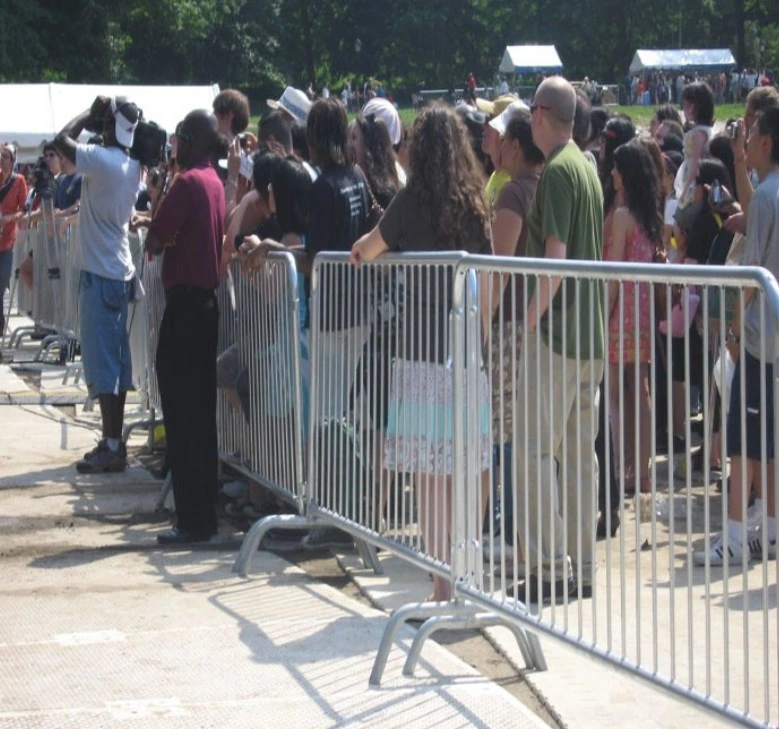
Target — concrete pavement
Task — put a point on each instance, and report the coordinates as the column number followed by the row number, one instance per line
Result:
column 99, row 627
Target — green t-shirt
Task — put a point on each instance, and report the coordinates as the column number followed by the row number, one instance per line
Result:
column 569, row 206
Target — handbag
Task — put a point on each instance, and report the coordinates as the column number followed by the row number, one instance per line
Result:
column 376, row 210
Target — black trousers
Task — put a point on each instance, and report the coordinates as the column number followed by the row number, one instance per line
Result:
column 186, row 371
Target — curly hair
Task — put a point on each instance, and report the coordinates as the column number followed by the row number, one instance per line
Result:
column 640, row 181
column 445, row 177
column 380, row 167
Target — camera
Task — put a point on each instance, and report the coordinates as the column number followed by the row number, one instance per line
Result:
column 149, row 144
column 732, row 129
column 716, row 193
column 43, row 180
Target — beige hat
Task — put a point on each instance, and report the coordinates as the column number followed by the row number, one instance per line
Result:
column 557, row 95
column 493, row 108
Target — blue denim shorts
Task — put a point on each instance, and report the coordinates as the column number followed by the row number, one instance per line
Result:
column 105, row 343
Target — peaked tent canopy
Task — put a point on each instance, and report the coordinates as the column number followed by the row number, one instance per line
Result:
column 31, row 114
column 712, row 59
column 530, row 59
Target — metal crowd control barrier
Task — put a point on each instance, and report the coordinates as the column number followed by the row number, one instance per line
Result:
column 650, row 599
column 273, row 355
column 363, row 323
column 20, row 298
column 401, row 350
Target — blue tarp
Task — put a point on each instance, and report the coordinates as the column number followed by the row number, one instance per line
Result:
column 710, row 59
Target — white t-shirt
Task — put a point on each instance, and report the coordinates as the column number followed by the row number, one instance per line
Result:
column 109, row 189
column 671, row 203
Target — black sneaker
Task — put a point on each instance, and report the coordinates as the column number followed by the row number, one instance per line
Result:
column 327, row 538
column 527, row 590
column 103, row 460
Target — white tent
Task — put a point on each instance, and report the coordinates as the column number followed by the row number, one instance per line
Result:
column 690, row 59
column 31, row 114
column 530, row 59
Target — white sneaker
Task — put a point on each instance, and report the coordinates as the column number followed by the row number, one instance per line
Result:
column 754, row 516
column 718, row 555
column 756, row 544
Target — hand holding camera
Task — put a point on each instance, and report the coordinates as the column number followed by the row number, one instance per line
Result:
column 97, row 113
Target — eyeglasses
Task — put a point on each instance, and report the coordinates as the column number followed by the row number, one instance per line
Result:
column 533, row 107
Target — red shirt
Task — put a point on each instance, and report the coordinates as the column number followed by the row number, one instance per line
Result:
column 191, row 217
column 13, row 202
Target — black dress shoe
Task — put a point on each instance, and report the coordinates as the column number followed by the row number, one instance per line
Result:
column 527, row 590
column 181, row 536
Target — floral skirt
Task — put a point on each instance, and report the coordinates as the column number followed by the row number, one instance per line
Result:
column 420, row 422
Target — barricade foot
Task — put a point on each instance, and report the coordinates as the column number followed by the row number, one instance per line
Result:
column 414, row 611
column 532, row 654
column 16, row 336
column 368, row 557
column 166, row 488
column 253, row 538
column 130, row 427
column 47, row 344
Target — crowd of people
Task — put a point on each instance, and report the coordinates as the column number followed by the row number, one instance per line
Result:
column 657, row 87
column 555, row 179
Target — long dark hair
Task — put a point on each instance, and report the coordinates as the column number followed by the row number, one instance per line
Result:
column 291, row 187
column 327, row 134
column 380, row 169
column 618, row 131
column 700, row 95
column 641, row 184
column 445, row 177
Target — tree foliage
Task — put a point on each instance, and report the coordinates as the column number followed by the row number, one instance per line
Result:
column 259, row 45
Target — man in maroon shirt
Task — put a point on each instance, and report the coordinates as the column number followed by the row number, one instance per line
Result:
column 187, row 228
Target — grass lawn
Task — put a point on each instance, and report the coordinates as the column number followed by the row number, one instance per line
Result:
column 639, row 114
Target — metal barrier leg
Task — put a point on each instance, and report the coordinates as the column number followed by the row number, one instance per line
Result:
column 130, row 427
column 253, row 538
column 17, row 334
column 368, row 556
column 414, row 611
column 166, row 489
column 472, row 622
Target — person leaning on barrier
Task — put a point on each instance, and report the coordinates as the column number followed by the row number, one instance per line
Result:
column 13, row 193
column 109, row 188
column 564, row 222
column 762, row 249
column 441, row 209
column 187, row 228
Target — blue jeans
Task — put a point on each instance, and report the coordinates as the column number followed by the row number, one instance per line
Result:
column 105, row 343
column 6, row 269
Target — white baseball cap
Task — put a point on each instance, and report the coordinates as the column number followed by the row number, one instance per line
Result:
column 126, row 116
column 294, row 102
column 501, row 121
column 386, row 111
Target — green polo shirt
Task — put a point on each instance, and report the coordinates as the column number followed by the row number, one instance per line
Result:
column 569, row 206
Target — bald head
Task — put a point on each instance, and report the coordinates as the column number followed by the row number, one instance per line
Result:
column 558, row 99
column 198, row 138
